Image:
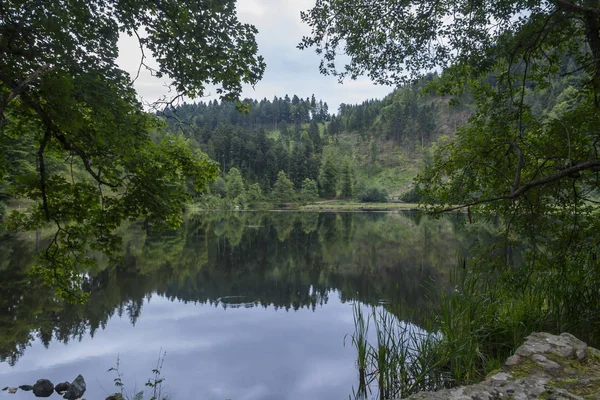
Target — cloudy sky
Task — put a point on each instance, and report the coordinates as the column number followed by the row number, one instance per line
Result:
column 289, row 70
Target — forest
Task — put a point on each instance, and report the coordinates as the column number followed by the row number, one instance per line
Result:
column 494, row 115
column 295, row 150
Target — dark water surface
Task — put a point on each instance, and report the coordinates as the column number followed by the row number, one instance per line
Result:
column 246, row 305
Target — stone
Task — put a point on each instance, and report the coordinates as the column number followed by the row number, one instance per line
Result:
column 12, row 390
column 5, row 389
column 559, row 367
column 77, row 389
column 62, row 388
column 26, row 388
column 43, row 388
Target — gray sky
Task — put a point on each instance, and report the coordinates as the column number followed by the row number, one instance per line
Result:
column 289, row 70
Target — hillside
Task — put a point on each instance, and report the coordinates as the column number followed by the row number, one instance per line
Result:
column 368, row 152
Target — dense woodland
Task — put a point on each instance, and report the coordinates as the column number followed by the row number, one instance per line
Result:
column 362, row 151
column 368, row 152
column 322, row 154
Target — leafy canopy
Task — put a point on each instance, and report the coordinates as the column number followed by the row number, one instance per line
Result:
column 530, row 150
column 95, row 157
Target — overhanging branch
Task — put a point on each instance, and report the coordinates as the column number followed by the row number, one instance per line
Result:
column 586, row 165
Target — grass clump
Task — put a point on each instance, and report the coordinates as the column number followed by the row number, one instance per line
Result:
column 478, row 322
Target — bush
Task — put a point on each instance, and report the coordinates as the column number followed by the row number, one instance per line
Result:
column 374, row 195
column 2, row 210
column 412, row 196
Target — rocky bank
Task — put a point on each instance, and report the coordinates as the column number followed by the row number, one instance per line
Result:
column 544, row 367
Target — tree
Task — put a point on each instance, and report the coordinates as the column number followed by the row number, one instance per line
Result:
column 518, row 157
column 328, row 174
column 283, row 189
column 346, row 181
column 506, row 159
column 60, row 88
column 254, row 193
column 219, row 187
column 235, row 183
column 310, row 191
column 315, row 135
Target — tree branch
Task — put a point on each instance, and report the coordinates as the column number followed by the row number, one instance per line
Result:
column 571, row 7
column 587, row 165
column 22, row 87
column 42, row 168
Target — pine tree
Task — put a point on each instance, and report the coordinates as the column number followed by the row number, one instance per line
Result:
column 328, row 176
column 283, row 190
column 347, row 181
column 235, row 183
column 310, row 191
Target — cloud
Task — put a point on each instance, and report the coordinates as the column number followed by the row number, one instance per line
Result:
column 289, row 70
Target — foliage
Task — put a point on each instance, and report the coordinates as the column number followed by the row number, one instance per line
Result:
column 526, row 152
column 254, row 193
column 328, row 175
column 62, row 94
column 346, row 181
column 155, row 383
column 527, row 156
column 218, row 187
column 373, row 195
column 413, row 195
column 235, row 184
column 283, row 189
column 309, row 192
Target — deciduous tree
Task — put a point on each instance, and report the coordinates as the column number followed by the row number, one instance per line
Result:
column 61, row 89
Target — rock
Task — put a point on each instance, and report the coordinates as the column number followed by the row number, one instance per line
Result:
column 43, row 388
column 116, row 396
column 76, row 390
column 546, row 366
column 26, row 388
column 5, row 389
column 12, row 390
column 62, row 388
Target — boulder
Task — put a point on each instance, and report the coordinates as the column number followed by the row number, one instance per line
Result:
column 546, row 366
column 26, row 388
column 43, row 388
column 76, row 390
column 62, row 388
column 12, row 390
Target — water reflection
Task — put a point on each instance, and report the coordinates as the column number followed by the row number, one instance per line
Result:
column 213, row 288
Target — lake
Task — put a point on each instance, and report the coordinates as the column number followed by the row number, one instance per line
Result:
column 247, row 305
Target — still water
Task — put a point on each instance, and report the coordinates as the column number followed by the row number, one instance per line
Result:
column 246, row 305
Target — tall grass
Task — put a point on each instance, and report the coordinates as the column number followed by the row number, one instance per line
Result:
column 476, row 325
column 394, row 363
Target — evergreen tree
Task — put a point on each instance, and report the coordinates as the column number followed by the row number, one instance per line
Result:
column 283, row 189
column 219, row 187
column 235, row 183
column 328, row 176
column 254, row 193
column 315, row 136
column 310, row 191
column 347, row 181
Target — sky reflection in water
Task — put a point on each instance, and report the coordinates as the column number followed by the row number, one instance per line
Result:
column 318, row 264
column 212, row 353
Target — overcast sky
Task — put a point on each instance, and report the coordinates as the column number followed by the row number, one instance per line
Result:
column 289, row 70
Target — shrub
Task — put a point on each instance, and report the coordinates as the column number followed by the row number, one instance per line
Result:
column 374, row 195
